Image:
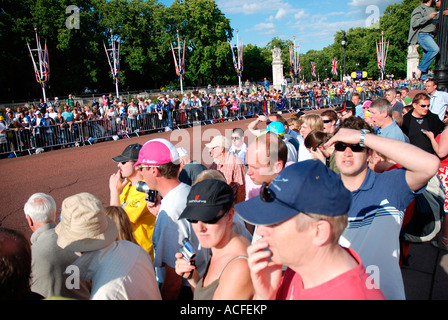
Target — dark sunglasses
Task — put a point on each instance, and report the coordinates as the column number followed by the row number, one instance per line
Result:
column 424, row 106
column 212, row 221
column 124, row 162
column 236, row 138
column 268, row 195
column 339, row 146
column 327, row 121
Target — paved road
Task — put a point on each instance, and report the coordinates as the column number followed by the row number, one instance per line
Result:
column 65, row 172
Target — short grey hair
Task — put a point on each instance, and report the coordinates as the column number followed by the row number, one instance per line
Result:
column 41, row 208
column 381, row 105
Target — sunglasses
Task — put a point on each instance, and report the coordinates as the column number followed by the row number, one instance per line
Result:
column 327, row 121
column 424, row 105
column 268, row 195
column 236, row 138
column 212, row 221
column 339, row 146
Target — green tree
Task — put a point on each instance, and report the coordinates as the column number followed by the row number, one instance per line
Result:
column 207, row 32
column 256, row 66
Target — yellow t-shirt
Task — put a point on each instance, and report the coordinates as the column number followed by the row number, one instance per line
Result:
column 134, row 203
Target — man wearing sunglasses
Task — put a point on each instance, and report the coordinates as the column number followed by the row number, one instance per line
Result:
column 419, row 119
column 123, row 192
column 379, row 199
column 158, row 161
column 239, row 147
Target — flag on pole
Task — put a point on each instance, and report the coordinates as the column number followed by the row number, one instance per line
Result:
column 42, row 67
column 334, row 66
column 238, row 64
column 313, row 69
column 113, row 59
column 179, row 64
column 294, row 62
column 381, row 53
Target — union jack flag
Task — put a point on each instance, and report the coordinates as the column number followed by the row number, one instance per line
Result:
column 42, row 67
column 295, row 62
column 113, row 57
column 381, row 55
column 379, row 60
column 334, row 66
column 238, row 64
column 313, row 69
column 179, row 65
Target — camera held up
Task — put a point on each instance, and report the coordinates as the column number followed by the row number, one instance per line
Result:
column 151, row 195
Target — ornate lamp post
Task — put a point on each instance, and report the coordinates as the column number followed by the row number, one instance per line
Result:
column 441, row 69
column 344, row 44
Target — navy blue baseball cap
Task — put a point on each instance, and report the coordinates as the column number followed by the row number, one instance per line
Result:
column 307, row 186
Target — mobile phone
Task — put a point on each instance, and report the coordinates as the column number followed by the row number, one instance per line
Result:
column 188, row 252
column 424, row 131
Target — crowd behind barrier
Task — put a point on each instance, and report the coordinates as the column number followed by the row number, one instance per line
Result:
column 24, row 132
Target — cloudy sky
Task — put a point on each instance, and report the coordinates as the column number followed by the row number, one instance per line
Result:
column 313, row 23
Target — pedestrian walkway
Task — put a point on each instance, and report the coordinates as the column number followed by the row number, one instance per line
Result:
column 426, row 275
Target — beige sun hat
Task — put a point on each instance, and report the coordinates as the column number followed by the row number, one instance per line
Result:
column 219, row 141
column 84, row 224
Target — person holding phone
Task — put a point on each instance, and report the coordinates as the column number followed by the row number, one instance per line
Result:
column 210, row 211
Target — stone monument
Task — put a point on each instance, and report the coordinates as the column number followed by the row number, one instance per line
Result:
column 277, row 68
column 413, row 61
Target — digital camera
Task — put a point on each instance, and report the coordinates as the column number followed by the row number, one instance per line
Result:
column 151, row 195
column 188, row 251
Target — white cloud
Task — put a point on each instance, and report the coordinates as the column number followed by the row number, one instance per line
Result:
column 336, row 13
column 250, row 7
column 300, row 14
column 365, row 3
column 281, row 13
column 264, row 28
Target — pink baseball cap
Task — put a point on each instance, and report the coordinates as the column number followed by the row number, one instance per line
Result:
column 156, row 152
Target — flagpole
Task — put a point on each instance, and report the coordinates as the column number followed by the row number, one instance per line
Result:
column 114, row 63
column 40, row 64
column 179, row 48
column 239, row 62
column 179, row 61
column 294, row 57
column 42, row 70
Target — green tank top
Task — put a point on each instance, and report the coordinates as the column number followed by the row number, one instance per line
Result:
column 207, row 293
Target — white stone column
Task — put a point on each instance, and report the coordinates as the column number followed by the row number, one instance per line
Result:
column 277, row 68
column 413, row 61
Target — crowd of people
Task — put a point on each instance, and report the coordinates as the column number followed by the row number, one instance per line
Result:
column 339, row 184
column 51, row 124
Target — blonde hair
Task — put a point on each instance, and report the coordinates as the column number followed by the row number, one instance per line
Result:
column 337, row 223
column 314, row 121
column 124, row 225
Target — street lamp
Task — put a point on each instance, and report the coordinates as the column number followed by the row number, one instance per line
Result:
column 441, row 70
column 344, row 44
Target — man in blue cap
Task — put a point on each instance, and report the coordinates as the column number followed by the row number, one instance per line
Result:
column 305, row 207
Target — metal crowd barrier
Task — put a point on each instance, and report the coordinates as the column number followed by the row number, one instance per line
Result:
column 34, row 140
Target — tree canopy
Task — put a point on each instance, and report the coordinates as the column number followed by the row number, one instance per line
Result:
column 146, row 28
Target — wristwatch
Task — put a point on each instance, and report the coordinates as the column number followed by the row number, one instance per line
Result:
column 362, row 137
